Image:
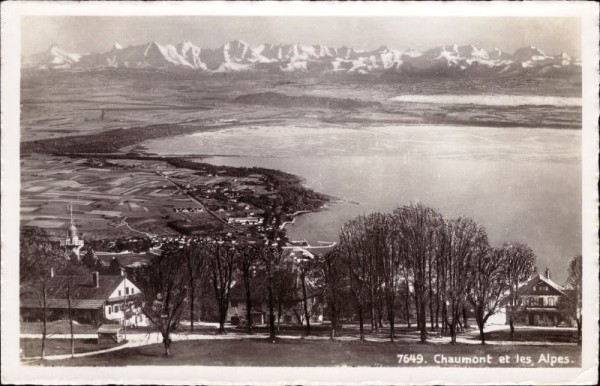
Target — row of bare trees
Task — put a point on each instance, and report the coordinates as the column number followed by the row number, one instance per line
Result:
column 171, row 284
column 440, row 268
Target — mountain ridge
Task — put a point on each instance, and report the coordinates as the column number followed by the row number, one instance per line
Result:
column 238, row 56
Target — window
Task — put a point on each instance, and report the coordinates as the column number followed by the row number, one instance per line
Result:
column 234, row 303
column 534, row 288
column 126, row 290
column 116, row 308
column 551, row 301
column 540, row 301
column 109, row 310
column 119, row 292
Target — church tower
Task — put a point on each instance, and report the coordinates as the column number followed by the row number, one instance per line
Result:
column 72, row 242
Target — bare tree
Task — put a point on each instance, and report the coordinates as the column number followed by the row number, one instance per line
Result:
column 248, row 259
column 195, row 255
column 386, row 242
column 305, row 266
column 39, row 259
column 222, row 263
column 418, row 231
column 519, row 262
column 351, row 249
column 331, row 275
column 271, row 259
column 71, row 268
column 464, row 242
column 487, row 286
column 570, row 302
column 165, row 287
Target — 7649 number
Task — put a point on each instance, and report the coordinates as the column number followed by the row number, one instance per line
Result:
column 410, row 359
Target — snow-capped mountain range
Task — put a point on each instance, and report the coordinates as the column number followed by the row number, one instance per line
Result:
column 237, row 56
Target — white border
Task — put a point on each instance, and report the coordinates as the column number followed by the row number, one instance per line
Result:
column 12, row 372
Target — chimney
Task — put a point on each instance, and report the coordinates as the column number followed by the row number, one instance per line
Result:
column 96, row 279
column 122, row 271
column 51, row 272
column 548, row 273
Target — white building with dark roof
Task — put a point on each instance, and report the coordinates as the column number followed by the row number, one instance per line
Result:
column 95, row 299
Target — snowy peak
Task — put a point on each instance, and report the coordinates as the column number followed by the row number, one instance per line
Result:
column 529, row 53
column 498, row 54
column 54, row 58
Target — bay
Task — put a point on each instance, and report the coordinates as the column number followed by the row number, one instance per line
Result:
column 522, row 184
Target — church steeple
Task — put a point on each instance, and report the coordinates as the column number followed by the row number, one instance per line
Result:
column 72, row 241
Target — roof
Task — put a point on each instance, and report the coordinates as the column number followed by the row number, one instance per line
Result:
column 109, row 329
column 63, row 303
column 527, row 288
column 552, row 284
column 536, row 279
column 83, row 293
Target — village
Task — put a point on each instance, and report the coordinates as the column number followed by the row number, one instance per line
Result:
column 205, row 217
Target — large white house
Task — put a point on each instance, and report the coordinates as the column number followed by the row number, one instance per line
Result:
column 95, row 299
column 537, row 303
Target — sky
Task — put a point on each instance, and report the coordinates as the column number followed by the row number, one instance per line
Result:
column 83, row 34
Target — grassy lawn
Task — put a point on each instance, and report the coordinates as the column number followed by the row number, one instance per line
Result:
column 526, row 334
column 33, row 347
column 320, row 353
column 57, row 327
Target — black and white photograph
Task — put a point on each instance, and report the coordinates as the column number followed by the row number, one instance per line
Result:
column 321, row 188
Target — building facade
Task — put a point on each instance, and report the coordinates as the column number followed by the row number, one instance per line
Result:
column 94, row 299
column 537, row 303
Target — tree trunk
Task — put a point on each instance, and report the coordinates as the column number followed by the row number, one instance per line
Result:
column 465, row 317
column 222, row 317
column 333, row 320
column 44, row 322
column 305, row 301
column 70, row 320
column 512, row 327
column 167, row 344
column 431, row 315
column 407, row 306
column 373, row 313
column 391, row 319
column 271, row 311
column 444, row 317
column 481, row 333
column 453, row 332
column 192, row 312
column 437, row 314
column 418, row 314
column 437, row 297
column 360, row 320
column 380, row 314
column 279, row 312
column 249, row 320
column 423, row 322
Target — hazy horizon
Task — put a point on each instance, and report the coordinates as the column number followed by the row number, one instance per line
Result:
column 89, row 34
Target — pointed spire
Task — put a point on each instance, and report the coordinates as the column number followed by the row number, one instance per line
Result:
column 70, row 209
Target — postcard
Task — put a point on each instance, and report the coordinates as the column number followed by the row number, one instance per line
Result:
column 302, row 193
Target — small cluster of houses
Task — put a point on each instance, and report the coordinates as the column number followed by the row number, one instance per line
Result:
column 188, row 210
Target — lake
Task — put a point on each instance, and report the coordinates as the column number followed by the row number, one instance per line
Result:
column 522, row 184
